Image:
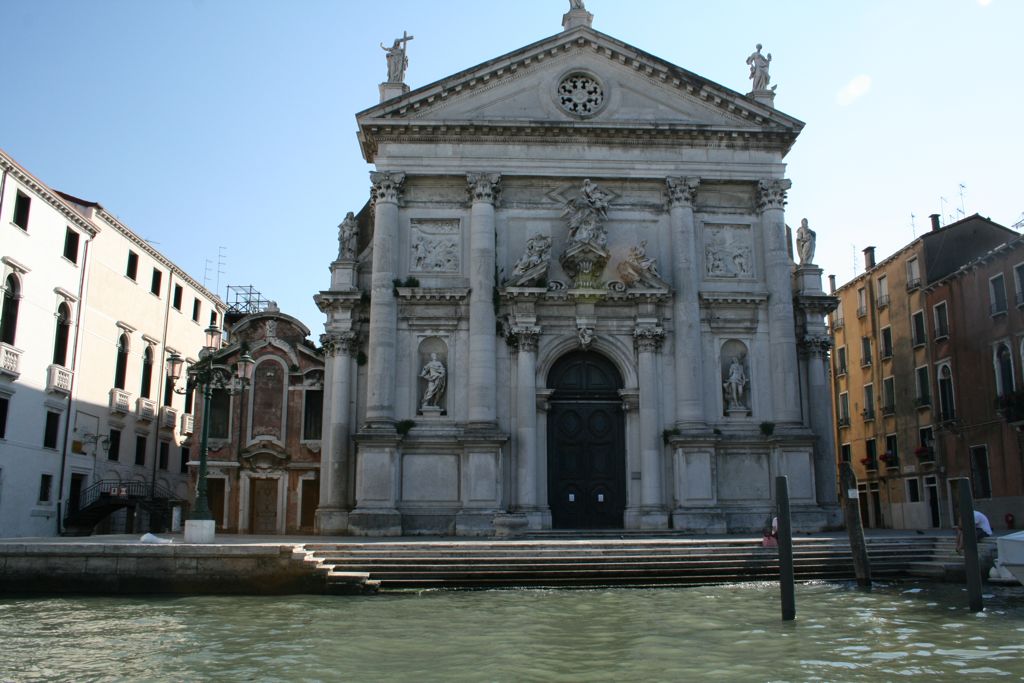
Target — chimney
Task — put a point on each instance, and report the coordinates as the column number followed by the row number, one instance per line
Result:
column 935, row 221
column 831, row 284
column 869, row 258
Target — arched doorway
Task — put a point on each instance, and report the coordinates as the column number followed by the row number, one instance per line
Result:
column 586, row 445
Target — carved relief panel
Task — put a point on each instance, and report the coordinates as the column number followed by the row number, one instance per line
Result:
column 435, row 245
column 728, row 251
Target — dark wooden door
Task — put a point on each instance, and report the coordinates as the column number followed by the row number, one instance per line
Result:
column 310, row 502
column 586, row 448
column 264, row 506
column 215, row 498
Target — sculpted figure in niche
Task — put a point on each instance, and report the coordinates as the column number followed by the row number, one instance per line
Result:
column 538, row 250
column 806, row 240
column 436, row 376
column 347, row 232
column 586, row 214
column 735, row 384
column 397, row 61
column 759, row 69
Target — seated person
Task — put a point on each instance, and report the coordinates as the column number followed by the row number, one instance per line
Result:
column 982, row 529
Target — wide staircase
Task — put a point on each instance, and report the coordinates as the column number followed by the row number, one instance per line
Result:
column 621, row 559
column 107, row 496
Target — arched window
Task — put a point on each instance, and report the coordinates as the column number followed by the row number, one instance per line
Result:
column 947, row 408
column 1004, row 370
column 60, row 337
column 121, row 369
column 9, row 316
column 147, row 372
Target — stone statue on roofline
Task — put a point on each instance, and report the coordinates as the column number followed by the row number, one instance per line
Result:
column 759, row 76
column 397, row 60
column 806, row 240
column 348, row 231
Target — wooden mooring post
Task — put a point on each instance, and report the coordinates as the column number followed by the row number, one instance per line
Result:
column 785, row 540
column 972, row 567
column 854, row 526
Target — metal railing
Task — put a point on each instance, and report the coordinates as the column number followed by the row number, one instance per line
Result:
column 122, row 490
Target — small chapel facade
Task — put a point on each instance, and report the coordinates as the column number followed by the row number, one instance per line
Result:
column 571, row 302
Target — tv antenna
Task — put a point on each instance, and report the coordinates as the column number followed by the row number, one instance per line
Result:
column 913, row 226
column 963, row 208
column 1019, row 224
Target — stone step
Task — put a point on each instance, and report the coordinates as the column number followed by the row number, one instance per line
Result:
column 413, row 559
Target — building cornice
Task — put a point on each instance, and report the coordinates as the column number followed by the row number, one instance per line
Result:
column 49, row 195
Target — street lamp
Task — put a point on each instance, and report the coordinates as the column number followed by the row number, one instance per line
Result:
column 199, row 527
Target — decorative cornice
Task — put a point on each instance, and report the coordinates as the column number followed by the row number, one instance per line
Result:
column 50, row 196
column 484, row 187
column 771, row 194
column 728, row 299
column 433, row 294
column 682, row 191
column 387, row 186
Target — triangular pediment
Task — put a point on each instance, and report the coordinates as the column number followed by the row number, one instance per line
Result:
column 578, row 79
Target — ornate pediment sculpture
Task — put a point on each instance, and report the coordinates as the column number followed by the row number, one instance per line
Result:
column 532, row 266
column 640, row 270
column 587, row 254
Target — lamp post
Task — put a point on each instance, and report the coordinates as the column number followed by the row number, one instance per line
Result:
column 205, row 374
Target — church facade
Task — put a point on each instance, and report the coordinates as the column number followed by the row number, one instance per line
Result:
column 571, row 302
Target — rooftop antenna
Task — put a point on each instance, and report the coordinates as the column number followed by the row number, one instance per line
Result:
column 1019, row 224
column 913, row 226
column 963, row 208
column 222, row 259
column 853, row 251
column 942, row 212
column 206, row 274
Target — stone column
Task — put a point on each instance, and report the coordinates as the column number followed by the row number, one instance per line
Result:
column 785, row 399
column 653, row 513
column 686, row 305
column 820, row 408
column 527, row 462
column 483, row 190
column 380, row 408
column 332, row 514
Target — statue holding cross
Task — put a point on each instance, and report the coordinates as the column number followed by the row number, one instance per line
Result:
column 397, row 61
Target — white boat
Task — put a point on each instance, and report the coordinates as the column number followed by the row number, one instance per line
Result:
column 1011, row 554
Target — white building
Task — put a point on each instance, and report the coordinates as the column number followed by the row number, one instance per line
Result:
column 571, row 303
column 85, row 402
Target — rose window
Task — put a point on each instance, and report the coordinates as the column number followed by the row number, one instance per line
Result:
column 580, row 94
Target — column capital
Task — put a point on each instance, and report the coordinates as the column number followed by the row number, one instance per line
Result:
column 816, row 347
column 682, row 192
column 648, row 339
column 524, row 338
column 483, row 187
column 771, row 194
column 340, row 343
column 387, row 186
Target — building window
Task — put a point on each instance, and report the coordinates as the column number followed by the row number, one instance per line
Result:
column 923, row 388
column 888, row 396
column 997, row 295
column 892, row 454
column 121, row 366
column 926, row 438
column 60, row 336
column 22, row 204
column 195, row 310
column 154, row 285
column 941, row 321
column 837, row 319
column 313, row 412
column 947, row 408
column 869, row 402
column 870, row 454
column 185, row 455
column 841, row 360
column 917, row 330
column 845, row 453
column 913, row 491
column 886, row 342
column 140, row 450
column 178, row 293
column 132, row 271
column 190, row 391
column 913, row 274
column 213, row 318
column 168, row 391
column 220, row 406
column 883, row 292
column 5, row 403
column 844, row 409
column 164, row 456
column 1018, row 281
column 51, row 429
column 9, row 316
column 862, row 302
column 71, row 245
column 114, row 453
column 147, row 372
column 1004, row 370
column 980, row 479
column 865, row 351
column 45, row 488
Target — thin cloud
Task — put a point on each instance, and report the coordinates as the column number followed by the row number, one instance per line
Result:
column 984, row 3
column 854, row 90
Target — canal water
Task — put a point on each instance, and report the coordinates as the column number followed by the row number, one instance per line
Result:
column 723, row 633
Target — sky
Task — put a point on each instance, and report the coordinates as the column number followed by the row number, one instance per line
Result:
column 223, row 131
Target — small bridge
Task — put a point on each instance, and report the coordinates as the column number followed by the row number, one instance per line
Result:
column 107, row 496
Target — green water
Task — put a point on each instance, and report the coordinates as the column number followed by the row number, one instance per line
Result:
column 725, row 633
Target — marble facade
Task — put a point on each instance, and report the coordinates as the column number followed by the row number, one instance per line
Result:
column 591, row 243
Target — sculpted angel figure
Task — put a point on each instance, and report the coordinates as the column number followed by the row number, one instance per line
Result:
column 805, row 242
column 759, row 68
column 436, row 375
column 638, row 257
column 538, row 249
column 347, row 232
column 586, row 214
